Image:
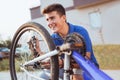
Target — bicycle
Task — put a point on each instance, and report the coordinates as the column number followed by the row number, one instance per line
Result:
column 26, row 65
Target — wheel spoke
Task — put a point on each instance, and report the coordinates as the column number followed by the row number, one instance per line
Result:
column 22, row 52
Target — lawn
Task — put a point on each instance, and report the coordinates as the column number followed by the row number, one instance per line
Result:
column 108, row 56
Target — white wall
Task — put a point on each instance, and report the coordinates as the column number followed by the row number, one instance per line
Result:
column 110, row 15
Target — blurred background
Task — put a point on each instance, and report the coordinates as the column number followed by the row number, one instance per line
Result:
column 100, row 17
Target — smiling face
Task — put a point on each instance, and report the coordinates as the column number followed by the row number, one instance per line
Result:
column 55, row 21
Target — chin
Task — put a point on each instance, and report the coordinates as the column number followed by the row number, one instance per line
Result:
column 54, row 31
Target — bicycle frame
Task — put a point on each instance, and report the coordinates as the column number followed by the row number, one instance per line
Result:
column 90, row 71
column 52, row 53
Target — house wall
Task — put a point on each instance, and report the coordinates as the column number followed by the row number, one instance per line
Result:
column 110, row 21
column 65, row 3
column 107, row 33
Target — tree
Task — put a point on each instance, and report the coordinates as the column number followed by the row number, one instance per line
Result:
column 7, row 43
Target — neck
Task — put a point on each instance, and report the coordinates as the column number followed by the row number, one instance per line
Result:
column 64, row 31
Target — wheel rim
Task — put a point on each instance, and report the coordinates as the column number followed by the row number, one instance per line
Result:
column 26, row 55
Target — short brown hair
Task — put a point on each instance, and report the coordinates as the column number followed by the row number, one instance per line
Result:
column 54, row 7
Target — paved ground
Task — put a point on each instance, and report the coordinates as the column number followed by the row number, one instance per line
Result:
column 115, row 74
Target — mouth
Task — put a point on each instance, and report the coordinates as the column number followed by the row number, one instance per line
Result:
column 53, row 26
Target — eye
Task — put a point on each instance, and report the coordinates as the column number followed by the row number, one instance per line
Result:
column 52, row 18
column 47, row 19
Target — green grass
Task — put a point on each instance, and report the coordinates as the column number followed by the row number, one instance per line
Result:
column 108, row 57
column 4, row 65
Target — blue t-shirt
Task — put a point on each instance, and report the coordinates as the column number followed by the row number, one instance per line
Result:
column 82, row 31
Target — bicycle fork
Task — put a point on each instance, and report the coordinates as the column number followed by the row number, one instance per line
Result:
column 67, row 66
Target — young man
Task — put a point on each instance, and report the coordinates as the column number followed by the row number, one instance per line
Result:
column 57, row 22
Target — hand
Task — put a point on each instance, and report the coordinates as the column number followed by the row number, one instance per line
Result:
column 37, row 46
column 87, row 55
column 45, row 65
column 75, row 65
column 61, row 63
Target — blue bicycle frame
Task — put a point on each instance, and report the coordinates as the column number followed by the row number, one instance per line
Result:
column 90, row 71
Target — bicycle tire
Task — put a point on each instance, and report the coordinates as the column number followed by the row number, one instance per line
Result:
column 39, row 29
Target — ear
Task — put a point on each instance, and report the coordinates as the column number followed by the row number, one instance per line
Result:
column 64, row 17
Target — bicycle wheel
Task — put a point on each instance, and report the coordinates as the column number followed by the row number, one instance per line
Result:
column 20, row 52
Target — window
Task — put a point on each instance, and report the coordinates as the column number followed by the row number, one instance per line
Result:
column 95, row 19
